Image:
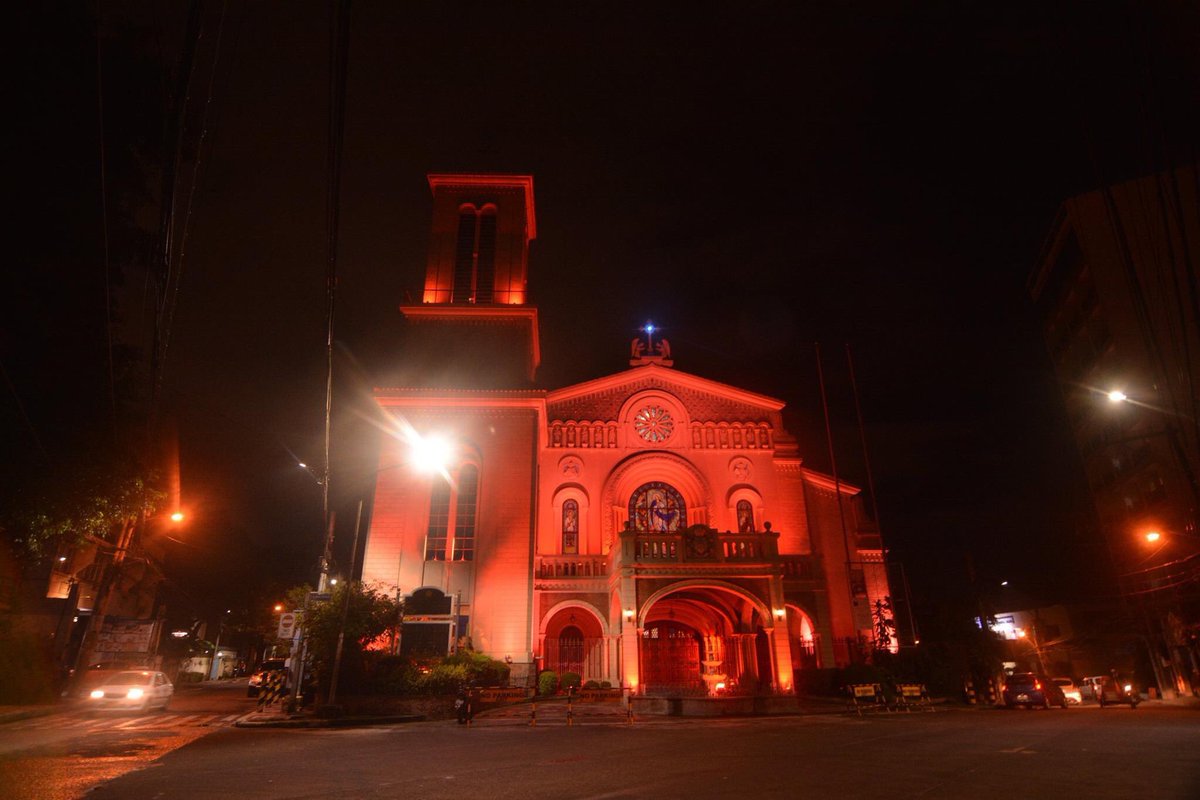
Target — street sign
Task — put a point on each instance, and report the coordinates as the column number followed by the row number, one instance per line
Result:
column 319, row 597
column 287, row 625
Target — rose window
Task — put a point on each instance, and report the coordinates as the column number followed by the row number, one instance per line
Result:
column 653, row 423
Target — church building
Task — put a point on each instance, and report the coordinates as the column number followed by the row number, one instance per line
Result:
column 651, row 528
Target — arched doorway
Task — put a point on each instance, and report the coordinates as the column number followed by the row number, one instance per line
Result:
column 803, row 638
column 570, row 651
column 573, row 641
column 704, row 641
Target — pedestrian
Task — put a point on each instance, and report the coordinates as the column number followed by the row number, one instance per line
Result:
column 462, row 707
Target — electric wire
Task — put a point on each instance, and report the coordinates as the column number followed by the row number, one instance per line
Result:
column 108, row 322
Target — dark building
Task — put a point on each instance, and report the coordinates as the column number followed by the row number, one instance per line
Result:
column 1117, row 291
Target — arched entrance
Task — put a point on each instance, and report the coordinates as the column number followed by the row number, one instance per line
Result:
column 704, row 641
column 803, row 638
column 574, row 642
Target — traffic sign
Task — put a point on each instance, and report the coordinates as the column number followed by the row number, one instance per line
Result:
column 287, row 625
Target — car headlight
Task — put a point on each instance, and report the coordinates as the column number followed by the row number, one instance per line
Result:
column 97, row 694
column 134, row 693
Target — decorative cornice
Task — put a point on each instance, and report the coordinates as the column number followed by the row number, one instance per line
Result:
column 521, row 182
column 664, row 377
column 822, row 481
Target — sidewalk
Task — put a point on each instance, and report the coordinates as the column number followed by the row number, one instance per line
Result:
column 18, row 713
column 277, row 718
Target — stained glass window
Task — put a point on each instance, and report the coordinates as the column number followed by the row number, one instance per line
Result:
column 657, row 507
column 745, row 517
column 570, row 527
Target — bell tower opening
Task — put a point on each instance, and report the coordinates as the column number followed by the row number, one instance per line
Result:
column 474, row 326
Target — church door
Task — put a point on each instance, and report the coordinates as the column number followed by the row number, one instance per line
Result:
column 671, row 659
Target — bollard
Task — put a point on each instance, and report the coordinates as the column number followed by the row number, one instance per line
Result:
column 533, row 714
column 629, row 712
column 970, row 692
column 570, row 712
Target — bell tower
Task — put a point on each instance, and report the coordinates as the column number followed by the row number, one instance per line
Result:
column 474, row 327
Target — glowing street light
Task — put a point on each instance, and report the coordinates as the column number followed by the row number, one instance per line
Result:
column 177, row 516
column 430, row 453
column 1153, row 536
column 1117, row 396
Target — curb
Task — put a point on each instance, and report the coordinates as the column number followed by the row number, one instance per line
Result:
column 332, row 722
column 28, row 713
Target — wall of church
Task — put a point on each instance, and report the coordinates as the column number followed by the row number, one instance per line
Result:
column 493, row 587
column 825, row 529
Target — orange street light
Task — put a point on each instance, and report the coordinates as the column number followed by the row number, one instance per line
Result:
column 1153, row 536
column 1117, row 396
column 177, row 516
column 278, row 607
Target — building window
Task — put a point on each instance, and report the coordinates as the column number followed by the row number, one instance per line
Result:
column 858, row 582
column 439, row 520
column 453, row 508
column 745, row 517
column 475, row 256
column 464, row 513
column 570, row 527
column 464, row 255
column 657, row 507
column 485, row 261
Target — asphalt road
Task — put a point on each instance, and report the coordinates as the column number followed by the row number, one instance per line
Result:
column 1075, row 753
column 63, row 755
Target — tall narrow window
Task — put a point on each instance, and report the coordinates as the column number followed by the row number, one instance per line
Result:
column 439, row 521
column 485, row 266
column 745, row 516
column 464, row 513
column 570, row 527
column 464, row 255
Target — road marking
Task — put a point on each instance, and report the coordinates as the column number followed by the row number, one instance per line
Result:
column 132, row 722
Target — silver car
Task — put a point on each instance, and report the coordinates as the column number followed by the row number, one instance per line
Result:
column 132, row 690
column 1070, row 691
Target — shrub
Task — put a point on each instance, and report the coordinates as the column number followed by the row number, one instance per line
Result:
column 605, row 684
column 481, row 670
column 592, row 685
column 547, row 683
column 571, row 680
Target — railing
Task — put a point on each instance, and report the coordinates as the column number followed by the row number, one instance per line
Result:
column 698, row 544
column 799, row 567
column 572, row 566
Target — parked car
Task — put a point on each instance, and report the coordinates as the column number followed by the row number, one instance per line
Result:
column 264, row 669
column 132, row 690
column 1070, row 691
column 1030, row 689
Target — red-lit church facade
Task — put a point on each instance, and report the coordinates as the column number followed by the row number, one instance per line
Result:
column 652, row 528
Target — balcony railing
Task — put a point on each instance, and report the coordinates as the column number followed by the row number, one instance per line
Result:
column 560, row 567
column 802, row 568
column 698, row 545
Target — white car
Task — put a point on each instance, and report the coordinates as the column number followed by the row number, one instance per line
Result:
column 1070, row 691
column 132, row 690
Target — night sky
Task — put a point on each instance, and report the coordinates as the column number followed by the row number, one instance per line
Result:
column 754, row 178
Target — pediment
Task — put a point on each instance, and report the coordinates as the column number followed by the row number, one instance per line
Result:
column 601, row 400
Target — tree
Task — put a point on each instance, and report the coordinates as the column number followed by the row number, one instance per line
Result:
column 371, row 616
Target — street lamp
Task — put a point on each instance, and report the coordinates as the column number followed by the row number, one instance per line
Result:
column 1153, row 536
column 1117, row 396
